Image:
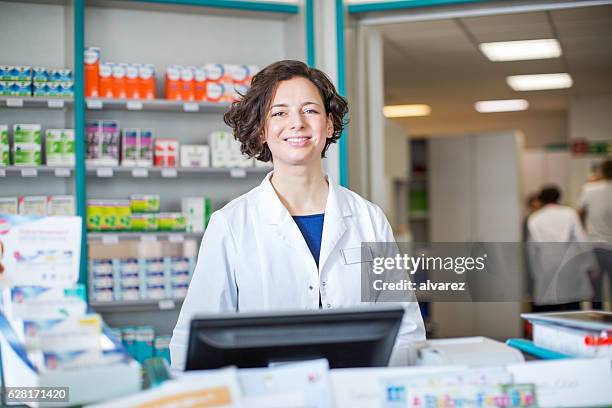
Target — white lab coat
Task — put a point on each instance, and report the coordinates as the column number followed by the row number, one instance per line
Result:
column 253, row 257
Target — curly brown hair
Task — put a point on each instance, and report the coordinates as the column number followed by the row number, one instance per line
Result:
column 247, row 116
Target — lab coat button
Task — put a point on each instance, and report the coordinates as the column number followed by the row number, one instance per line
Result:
column 310, row 287
column 329, row 305
column 322, row 283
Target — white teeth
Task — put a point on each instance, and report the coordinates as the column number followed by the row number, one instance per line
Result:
column 296, row 139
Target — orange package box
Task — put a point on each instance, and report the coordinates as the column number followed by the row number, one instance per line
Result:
column 173, row 82
column 106, row 80
column 199, row 84
column 132, row 90
column 92, row 67
column 119, row 86
column 146, row 81
column 187, row 85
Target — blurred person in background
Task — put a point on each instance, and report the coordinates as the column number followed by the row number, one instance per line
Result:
column 558, row 266
column 596, row 212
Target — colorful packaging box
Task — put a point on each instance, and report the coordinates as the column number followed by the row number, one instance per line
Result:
column 128, row 338
column 92, row 69
column 60, row 205
column 119, row 81
column 102, row 138
column 9, row 205
column 54, row 147
column 105, row 80
column 78, row 359
column 173, row 82
column 68, row 147
column 146, row 81
column 60, row 75
column 166, row 152
column 69, row 333
column 161, row 346
column 16, row 88
column 34, row 302
column 15, row 73
column 27, row 154
column 145, row 222
column 195, row 156
column 187, row 84
column 132, row 88
column 26, row 133
column 145, row 148
column 220, row 149
column 144, row 337
column 129, row 147
column 95, row 215
column 33, row 205
column 145, row 203
column 172, row 221
column 197, row 212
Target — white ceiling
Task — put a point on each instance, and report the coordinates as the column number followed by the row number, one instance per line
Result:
column 439, row 63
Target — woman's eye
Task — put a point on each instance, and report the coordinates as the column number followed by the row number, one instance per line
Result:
column 278, row 113
column 311, row 111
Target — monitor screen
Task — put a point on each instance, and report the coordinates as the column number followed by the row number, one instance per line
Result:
column 355, row 337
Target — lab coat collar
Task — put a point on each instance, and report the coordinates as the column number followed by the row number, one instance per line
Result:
column 272, row 210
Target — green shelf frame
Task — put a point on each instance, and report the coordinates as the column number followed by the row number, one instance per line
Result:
column 80, row 170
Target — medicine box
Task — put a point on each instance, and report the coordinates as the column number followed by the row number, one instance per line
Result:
column 60, row 205
column 145, row 203
column 64, row 334
column 26, row 133
column 195, row 156
column 9, row 205
column 34, row 302
column 166, row 152
column 27, row 154
column 33, row 205
column 172, row 221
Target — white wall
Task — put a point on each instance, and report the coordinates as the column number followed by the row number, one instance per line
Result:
column 591, row 118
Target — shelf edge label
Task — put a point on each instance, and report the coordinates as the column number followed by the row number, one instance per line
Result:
column 14, row 102
column 191, row 107
column 55, row 103
column 140, row 172
column 30, row 172
column 62, row 172
column 94, row 104
column 104, row 172
column 169, row 173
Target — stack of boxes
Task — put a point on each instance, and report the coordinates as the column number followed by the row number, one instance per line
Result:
column 119, row 81
column 59, row 147
column 210, row 83
column 26, row 146
column 197, row 211
column 137, row 147
column 38, row 205
column 102, row 138
column 54, row 327
column 38, row 81
column 166, row 152
column 136, row 270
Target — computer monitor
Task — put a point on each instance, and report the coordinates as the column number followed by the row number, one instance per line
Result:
column 351, row 337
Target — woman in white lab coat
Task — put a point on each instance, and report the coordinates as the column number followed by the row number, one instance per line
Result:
column 293, row 242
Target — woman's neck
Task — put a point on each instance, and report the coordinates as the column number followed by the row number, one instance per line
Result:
column 302, row 189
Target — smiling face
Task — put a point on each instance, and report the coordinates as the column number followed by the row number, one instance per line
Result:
column 297, row 126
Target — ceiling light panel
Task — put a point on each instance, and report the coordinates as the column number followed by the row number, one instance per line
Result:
column 539, row 82
column 521, row 50
column 505, row 105
column 404, row 111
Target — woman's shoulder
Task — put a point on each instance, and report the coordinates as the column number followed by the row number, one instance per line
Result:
column 357, row 203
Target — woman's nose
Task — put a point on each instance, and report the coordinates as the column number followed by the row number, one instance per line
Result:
column 296, row 121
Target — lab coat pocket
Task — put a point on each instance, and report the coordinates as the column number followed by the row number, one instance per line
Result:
column 356, row 255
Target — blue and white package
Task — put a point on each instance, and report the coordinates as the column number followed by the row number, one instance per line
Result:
column 35, row 302
column 70, row 360
column 71, row 333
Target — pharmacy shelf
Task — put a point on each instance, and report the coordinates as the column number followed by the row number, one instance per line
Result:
column 172, row 236
column 165, row 105
column 166, row 172
column 16, row 102
column 136, row 305
column 36, row 171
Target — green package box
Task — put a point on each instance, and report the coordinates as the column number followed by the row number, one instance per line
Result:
column 4, row 146
column 27, row 154
column 145, row 203
column 54, row 145
column 123, row 215
column 145, row 222
column 95, row 213
column 24, row 133
column 172, row 222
